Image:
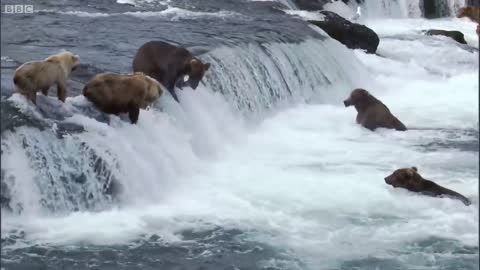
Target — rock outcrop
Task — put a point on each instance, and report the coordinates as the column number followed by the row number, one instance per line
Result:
column 352, row 35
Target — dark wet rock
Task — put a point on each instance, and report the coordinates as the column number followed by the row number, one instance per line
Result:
column 311, row 4
column 64, row 129
column 5, row 196
column 352, row 35
column 435, row 9
column 12, row 118
column 455, row 35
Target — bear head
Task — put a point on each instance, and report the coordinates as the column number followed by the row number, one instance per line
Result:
column 195, row 71
column 67, row 60
column 358, row 98
column 407, row 178
column 154, row 89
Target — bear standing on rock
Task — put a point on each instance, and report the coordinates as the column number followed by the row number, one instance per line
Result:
column 168, row 64
column 372, row 113
column 410, row 179
column 35, row 76
column 122, row 93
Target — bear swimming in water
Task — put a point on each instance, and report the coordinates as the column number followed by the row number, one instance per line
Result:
column 35, row 76
column 169, row 64
column 372, row 113
column 122, row 93
column 410, row 179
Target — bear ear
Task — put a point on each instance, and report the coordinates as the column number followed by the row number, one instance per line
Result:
column 206, row 66
column 194, row 62
column 415, row 169
column 410, row 172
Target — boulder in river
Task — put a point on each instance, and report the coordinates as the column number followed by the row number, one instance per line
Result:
column 455, row 35
column 311, row 4
column 352, row 35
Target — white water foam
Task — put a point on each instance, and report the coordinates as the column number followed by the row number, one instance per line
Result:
column 307, row 15
column 142, row 2
column 173, row 13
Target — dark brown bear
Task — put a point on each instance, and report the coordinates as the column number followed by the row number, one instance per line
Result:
column 169, row 64
column 372, row 113
column 410, row 179
column 122, row 93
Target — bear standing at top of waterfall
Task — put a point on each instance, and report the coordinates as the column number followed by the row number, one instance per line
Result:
column 372, row 113
column 122, row 93
column 168, row 64
column 410, row 179
column 41, row 75
column 471, row 12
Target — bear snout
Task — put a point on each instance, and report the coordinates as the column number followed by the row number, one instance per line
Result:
column 75, row 65
column 194, row 84
column 347, row 103
column 388, row 180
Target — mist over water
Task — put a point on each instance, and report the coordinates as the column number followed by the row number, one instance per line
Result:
column 261, row 167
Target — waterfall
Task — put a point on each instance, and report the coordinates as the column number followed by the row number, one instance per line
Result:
column 392, row 8
column 408, row 8
column 47, row 171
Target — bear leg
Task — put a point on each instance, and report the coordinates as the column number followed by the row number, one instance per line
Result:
column 174, row 95
column 171, row 89
column 32, row 95
column 61, row 91
column 45, row 91
column 133, row 113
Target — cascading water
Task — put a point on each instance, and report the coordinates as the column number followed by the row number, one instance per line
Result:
column 391, row 8
column 441, row 8
column 254, row 78
column 262, row 77
column 408, row 8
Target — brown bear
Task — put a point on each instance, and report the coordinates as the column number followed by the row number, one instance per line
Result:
column 473, row 13
column 122, row 93
column 41, row 75
column 410, row 179
column 169, row 64
column 372, row 113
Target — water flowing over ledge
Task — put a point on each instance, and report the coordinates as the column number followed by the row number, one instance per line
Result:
column 253, row 80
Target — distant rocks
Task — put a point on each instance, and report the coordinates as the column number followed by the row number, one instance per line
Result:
column 311, row 4
column 455, row 35
column 352, row 35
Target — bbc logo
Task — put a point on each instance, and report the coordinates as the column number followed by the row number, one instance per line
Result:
column 16, row 9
